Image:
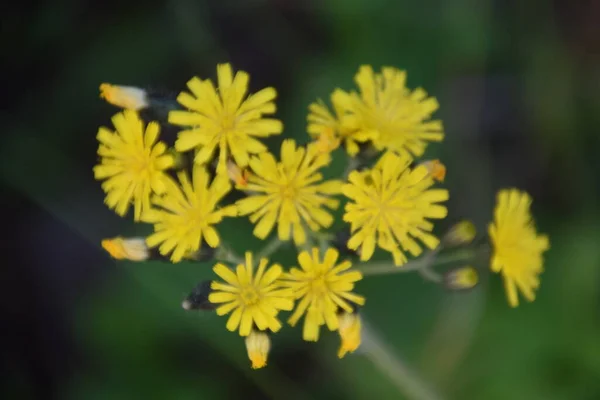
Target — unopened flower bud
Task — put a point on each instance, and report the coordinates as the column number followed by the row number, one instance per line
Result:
column 461, row 278
column 460, row 234
column 133, row 249
column 127, row 97
column 258, row 345
column 237, row 175
column 198, row 298
column 349, row 328
column 436, row 169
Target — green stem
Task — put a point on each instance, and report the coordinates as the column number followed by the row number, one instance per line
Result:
column 309, row 243
column 322, row 236
column 323, row 239
column 430, row 275
column 307, row 246
column 353, row 163
column 270, row 248
column 399, row 373
column 422, row 264
column 225, row 254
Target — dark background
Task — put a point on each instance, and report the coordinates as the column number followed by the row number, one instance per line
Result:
column 518, row 83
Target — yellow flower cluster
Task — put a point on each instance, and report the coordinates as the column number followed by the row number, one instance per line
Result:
column 223, row 124
column 390, row 202
column 384, row 113
column 322, row 288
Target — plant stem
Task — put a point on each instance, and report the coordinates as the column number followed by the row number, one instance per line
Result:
column 309, row 243
column 406, row 380
column 353, row 163
column 225, row 254
column 270, row 248
column 430, row 275
column 421, row 264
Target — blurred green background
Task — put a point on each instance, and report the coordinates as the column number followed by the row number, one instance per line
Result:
column 518, row 83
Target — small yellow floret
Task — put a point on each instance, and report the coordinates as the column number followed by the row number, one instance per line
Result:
column 225, row 119
column 323, row 288
column 253, row 297
column 390, row 207
column 517, row 247
column 186, row 215
column 289, row 193
column 133, row 163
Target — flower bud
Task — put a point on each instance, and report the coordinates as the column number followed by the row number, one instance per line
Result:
column 198, row 298
column 133, row 249
column 436, row 169
column 258, row 345
column 349, row 328
column 237, row 175
column 460, row 234
column 127, row 97
column 463, row 278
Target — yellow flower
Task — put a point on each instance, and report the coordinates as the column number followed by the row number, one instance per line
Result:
column 132, row 163
column 386, row 110
column 324, row 289
column 349, row 330
column 329, row 130
column 390, row 207
column 255, row 299
column 289, row 193
column 187, row 213
column 225, row 118
column 133, row 249
column 517, row 248
column 128, row 97
column 258, row 345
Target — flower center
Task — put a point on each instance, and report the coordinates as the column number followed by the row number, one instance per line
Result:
column 288, row 191
column 319, row 285
column 227, row 123
column 194, row 219
column 249, row 296
column 141, row 164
